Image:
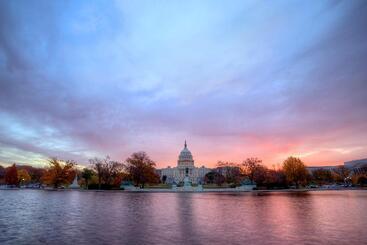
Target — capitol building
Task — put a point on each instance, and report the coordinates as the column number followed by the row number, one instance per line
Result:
column 185, row 168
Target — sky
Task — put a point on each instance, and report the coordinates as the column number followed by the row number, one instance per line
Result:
column 236, row 79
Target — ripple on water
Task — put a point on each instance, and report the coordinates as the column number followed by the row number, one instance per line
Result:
column 42, row 217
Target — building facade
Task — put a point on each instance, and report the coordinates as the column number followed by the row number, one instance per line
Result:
column 185, row 167
column 356, row 167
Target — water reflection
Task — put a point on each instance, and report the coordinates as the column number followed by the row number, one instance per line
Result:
column 43, row 217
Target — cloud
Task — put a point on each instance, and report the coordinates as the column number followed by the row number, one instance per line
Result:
column 236, row 80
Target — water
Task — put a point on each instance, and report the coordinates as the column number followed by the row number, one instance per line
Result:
column 74, row 217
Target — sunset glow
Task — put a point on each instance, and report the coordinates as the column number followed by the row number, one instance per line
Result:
column 83, row 79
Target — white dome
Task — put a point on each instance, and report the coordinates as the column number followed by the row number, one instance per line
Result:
column 185, row 157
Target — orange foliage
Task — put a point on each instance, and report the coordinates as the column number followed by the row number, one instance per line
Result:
column 58, row 173
column 23, row 176
column 11, row 175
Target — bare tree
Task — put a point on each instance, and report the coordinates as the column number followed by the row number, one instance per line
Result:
column 231, row 172
column 106, row 170
column 97, row 165
column 250, row 166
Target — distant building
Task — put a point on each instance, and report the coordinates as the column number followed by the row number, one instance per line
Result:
column 355, row 166
column 185, row 167
column 356, row 163
column 314, row 168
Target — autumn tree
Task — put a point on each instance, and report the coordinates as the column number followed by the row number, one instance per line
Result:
column 87, row 175
column 23, row 176
column 35, row 173
column 11, row 176
column 322, row 176
column 2, row 174
column 275, row 178
column 250, row 167
column 230, row 171
column 122, row 176
column 141, row 169
column 341, row 174
column 260, row 175
column 112, row 169
column 58, row 173
column 295, row 171
column 106, row 169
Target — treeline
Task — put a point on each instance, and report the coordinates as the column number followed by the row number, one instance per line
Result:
column 293, row 173
column 102, row 173
column 139, row 169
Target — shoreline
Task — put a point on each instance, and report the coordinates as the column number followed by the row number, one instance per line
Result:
column 219, row 190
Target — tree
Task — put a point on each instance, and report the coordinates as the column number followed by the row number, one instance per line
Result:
column 275, row 178
column 2, row 174
column 23, row 176
column 214, row 177
column 58, row 173
column 106, row 169
column 97, row 165
column 87, row 175
column 250, row 166
column 295, row 171
column 117, row 180
column 164, row 179
column 111, row 171
column 141, row 169
column 362, row 180
column 11, row 176
column 260, row 175
column 36, row 175
column 322, row 176
column 341, row 174
column 230, row 171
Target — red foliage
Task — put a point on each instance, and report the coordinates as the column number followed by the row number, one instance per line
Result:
column 11, row 175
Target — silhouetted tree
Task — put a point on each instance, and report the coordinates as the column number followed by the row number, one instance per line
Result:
column 141, row 169
column 341, row 174
column 213, row 177
column 295, row 171
column 230, row 171
column 362, row 180
column 260, row 175
column 275, row 178
column 36, row 175
column 87, row 175
column 164, row 179
column 322, row 176
column 97, row 165
column 250, row 166
column 112, row 170
column 2, row 174
column 11, row 176
column 106, row 169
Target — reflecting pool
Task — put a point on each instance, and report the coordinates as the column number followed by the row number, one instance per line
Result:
column 87, row 217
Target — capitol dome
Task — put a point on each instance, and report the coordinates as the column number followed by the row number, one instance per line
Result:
column 185, row 157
